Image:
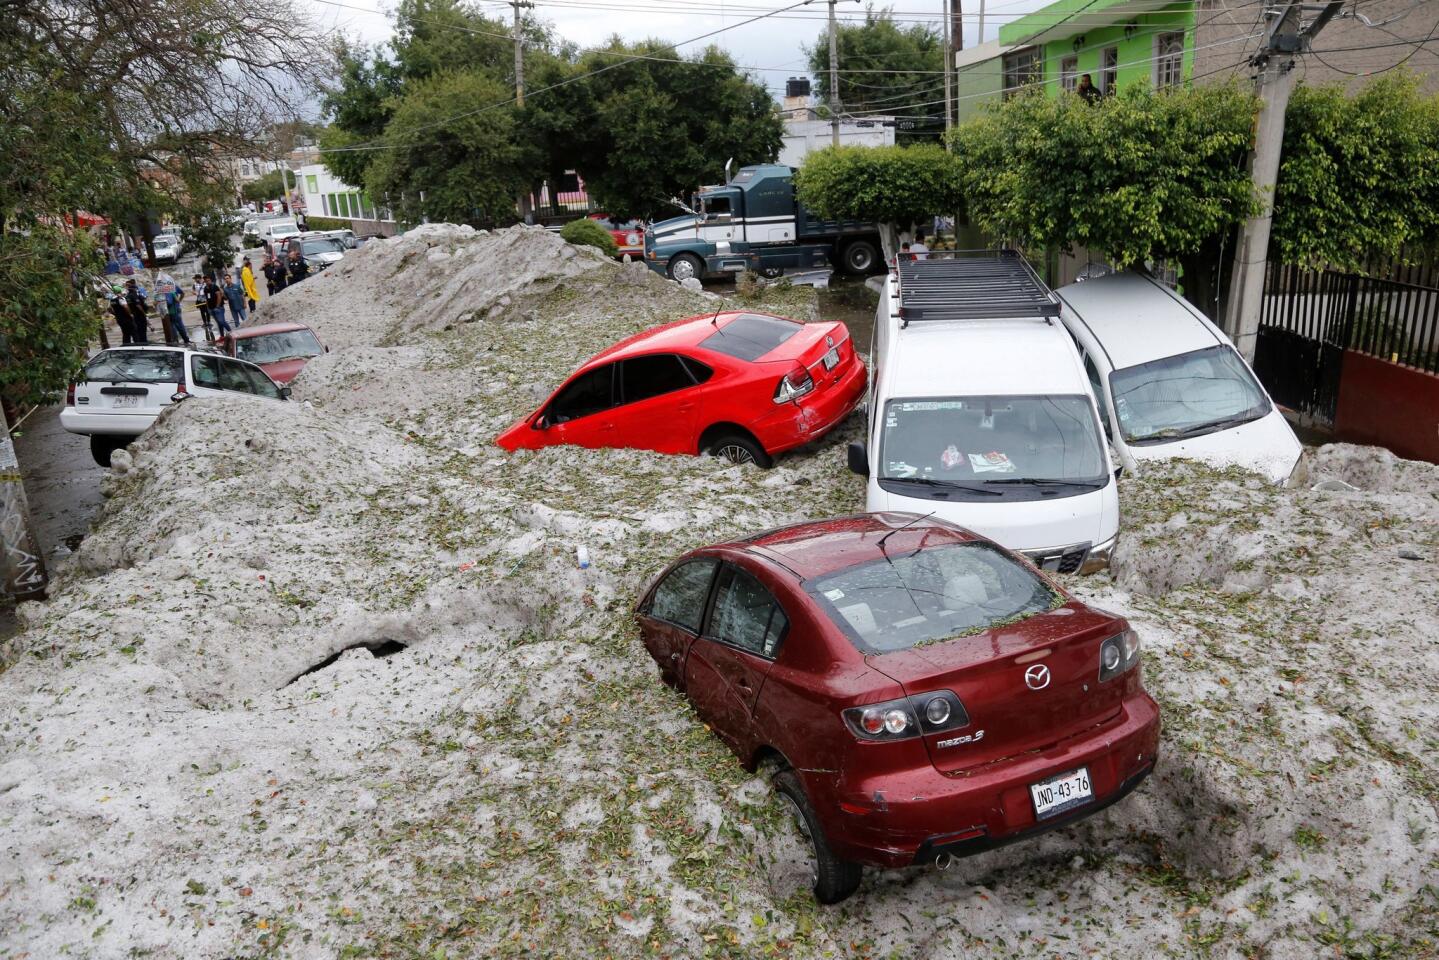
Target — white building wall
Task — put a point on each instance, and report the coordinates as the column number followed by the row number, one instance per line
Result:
column 802, row 136
column 326, row 195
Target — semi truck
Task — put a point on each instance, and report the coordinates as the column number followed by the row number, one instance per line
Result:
column 754, row 222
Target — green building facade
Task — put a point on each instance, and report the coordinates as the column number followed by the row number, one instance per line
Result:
column 1119, row 43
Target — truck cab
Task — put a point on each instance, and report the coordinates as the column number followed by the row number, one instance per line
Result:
column 753, row 222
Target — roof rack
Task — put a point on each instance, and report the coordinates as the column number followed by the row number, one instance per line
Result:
column 972, row 285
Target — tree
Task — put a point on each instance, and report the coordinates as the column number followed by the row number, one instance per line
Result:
column 887, row 69
column 469, row 163
column 1138, row 176
column 46, row 312
column 268, row 187
column 644, row 130
column 1359, row 175
column 896, row 187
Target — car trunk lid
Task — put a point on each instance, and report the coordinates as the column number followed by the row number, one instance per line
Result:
column 1009, row 714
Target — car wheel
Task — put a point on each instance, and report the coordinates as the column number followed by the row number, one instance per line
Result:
column 834, row 879
column 684, row 266
column 770, row 273
column 859, row 257
column 101, row 446
column 740, row 450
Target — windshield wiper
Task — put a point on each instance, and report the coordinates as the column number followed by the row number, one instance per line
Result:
column 1175, row 433
column 947, row 484
column 1041, row 482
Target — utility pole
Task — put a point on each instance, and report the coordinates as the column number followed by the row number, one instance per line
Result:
column 979, row 38
column 833, row 76
column 22, row 568
column 948, row 70
column 1284, row 42
column 519, row 53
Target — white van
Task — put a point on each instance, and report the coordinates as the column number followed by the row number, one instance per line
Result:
column 277, row 230
column 1169, row 383
column 979, row 412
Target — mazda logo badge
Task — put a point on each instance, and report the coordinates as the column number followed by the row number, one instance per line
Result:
column 1037, row 677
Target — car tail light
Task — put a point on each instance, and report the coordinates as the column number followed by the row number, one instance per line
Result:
column 923, row 713
column 1118, row 654
column 70, row 395
column 793, row 385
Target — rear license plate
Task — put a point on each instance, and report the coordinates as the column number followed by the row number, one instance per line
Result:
column 831, row 359
column 1061, row 793
column 124, row 401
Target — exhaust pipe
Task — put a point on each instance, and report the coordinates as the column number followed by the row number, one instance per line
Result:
column 943, row 861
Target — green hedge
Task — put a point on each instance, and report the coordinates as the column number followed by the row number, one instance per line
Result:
column 588, row 232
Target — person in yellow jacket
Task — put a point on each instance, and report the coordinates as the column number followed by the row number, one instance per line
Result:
column 247, row 280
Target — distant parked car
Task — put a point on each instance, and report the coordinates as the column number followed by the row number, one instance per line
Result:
column 319, row 249
column 743, row 386
column 629, row 234
column 280, row 349
column 346, row 237
column 1169, row 383
column 920, row 692
column 167, row 248
column 118, row 394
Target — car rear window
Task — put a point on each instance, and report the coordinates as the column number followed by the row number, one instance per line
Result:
column 750, row 336
column 137, row 366
column 930, row 596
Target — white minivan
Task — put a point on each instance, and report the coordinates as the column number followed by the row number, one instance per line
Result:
column 980, row 413
column 1169, row 383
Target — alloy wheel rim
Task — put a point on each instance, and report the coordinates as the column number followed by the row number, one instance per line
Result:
column 735, row 453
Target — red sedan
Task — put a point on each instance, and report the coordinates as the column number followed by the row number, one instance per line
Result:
column 744, row 386
column 280, row 349
column 923, row 692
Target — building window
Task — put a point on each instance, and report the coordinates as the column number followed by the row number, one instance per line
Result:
column 312, row 183
column 1022, row 68
column 1108, row 70
column 1068, row 73
column 1168, row 60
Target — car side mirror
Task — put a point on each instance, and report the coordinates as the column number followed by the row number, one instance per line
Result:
column 284, row 393
column 541, row 421
column 1119, row 471
column 858, row 458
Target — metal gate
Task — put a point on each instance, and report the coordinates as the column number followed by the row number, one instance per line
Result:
column 1309, row 318
column 1303, row 329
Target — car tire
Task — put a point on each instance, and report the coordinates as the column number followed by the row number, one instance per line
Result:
column 685, row 265
column 740, row 450
column 859, row 258
column 102, row 445
column 834, row 879
column 771, row 273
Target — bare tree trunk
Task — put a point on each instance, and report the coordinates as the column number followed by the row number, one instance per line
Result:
column 22, row 569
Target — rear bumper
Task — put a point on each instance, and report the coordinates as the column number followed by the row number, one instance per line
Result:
column 108, row 424
column 916, row 816
column 795, row 424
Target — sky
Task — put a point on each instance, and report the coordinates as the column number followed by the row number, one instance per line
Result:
column 776, row 44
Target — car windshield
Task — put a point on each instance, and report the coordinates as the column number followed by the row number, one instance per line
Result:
column 290, row 345
column 931, row 595
column 981, row 442
column 312, row 247
column 1186, row 395
column 137, row 366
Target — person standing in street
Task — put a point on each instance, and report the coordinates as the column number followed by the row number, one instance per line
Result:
column 174, row 302
column 920, row 251
column 139, row 312
column 299, row 267
column 268, row 268
column 215, row 297
column 235, row 296
column 247, row 280
column 120, row 310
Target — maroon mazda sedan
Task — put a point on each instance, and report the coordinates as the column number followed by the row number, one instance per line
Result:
column 924, row 692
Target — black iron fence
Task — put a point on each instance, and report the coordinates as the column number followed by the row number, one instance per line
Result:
column 1310, row 317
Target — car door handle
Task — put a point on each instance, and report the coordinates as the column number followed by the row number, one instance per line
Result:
column 743, row 684
column 685, row 407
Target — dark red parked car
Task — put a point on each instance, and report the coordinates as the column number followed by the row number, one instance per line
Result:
column 280, row 349
column 744, row 386
column 924, row 692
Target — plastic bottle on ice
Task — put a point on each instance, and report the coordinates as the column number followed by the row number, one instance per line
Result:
column 582, row 555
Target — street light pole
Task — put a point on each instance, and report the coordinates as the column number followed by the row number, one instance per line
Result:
column 833, row 76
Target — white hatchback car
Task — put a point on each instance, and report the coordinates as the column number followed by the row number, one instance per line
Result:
column 118, row 394
column 1169, row 383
